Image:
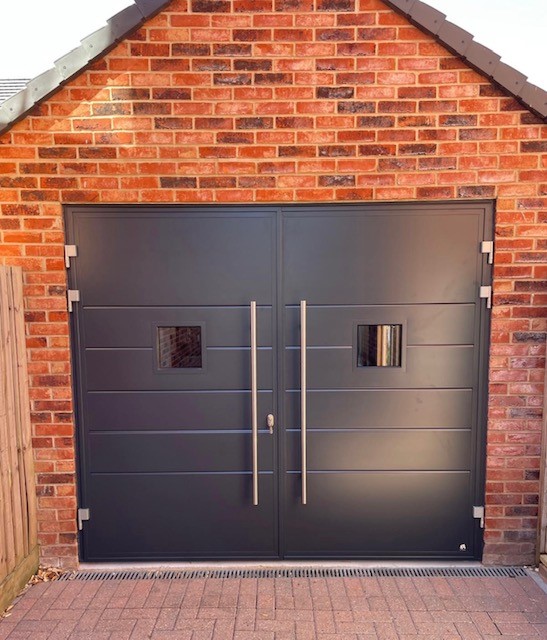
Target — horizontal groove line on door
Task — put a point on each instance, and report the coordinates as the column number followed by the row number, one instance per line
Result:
column 235, row 348
column 178, row 473
column 383, row 471
column 297, row 572
column 183, row 432
column 357, row 389
column 388, row 304
column 181, row 391
column 296, row 347
column 181, row 306
column 381, row 429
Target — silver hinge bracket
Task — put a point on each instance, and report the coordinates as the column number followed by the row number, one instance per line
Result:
column 486, row 293
column 83, row 516
column 71, row 251
column 73, row 296
column 478, row 514
column 487, row 247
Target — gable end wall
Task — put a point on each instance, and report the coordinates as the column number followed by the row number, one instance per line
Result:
column 283, row 101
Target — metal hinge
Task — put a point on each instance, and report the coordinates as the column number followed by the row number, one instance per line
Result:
column 478, row 514
column 487, row 246
column 83, row 516
column 73, row 296
column 71, row 251
column 486, row 293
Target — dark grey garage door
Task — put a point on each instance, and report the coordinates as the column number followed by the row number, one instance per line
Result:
column 380, row 456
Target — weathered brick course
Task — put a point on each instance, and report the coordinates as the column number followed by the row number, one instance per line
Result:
column 283, row 101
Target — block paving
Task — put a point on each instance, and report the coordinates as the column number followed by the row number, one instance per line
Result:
column 282, row 609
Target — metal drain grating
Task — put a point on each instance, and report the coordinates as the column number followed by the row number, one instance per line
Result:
column 300, row 572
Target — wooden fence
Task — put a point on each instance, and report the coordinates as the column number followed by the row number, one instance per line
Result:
column 18, row 535
column 542, row 520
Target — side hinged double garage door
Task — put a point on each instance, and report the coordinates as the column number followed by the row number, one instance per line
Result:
column 367, row 443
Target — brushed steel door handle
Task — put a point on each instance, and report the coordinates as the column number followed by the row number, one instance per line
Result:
column 254, row 403
column 303, row 408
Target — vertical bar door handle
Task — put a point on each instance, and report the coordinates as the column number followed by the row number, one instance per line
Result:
column 303, row 390
column 254, row 403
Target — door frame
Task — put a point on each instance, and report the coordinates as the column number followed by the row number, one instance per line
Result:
column 480, row 405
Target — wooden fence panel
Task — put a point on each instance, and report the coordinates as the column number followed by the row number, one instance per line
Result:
column 18, row 525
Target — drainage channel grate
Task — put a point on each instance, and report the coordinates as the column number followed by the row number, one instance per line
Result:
column 300, row 572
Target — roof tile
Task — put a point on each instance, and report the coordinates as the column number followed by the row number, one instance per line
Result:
column 427, row 17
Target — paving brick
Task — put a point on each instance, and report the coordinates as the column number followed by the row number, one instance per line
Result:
column 172, row 635
column 517, row 610
column 511, row 629
column 467, row 631
column 484, row 623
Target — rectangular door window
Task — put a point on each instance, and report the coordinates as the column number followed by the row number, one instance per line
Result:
column 180, row 347
column 379, row 345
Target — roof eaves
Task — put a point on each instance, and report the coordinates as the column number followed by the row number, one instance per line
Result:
column 73, row 63
column 477, row 55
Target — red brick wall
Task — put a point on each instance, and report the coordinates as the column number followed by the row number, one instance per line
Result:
column 293, row 101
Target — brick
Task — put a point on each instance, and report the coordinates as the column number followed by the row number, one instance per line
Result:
column 356, row 107
column 254, row 123
column 336, row 151
column 356, row 49
column 210, row 6
column 273, row 78
column 337, row 181
column 178, row 183
column 336, row 5
column 417, row 149
column 334, row 92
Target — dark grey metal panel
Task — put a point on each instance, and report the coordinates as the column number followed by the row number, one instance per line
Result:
column 176, row 452
column 173, row 491
column 177, row 516
column 393, row 258
column 424, row 324
column 416, row 266
column 385, row 514
column 171, row 410
column 381, row 450
column 134, row 327
column 383, row 408
column 131, row 370
column 419, row 266
column 432, row 367
column 171, row 261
